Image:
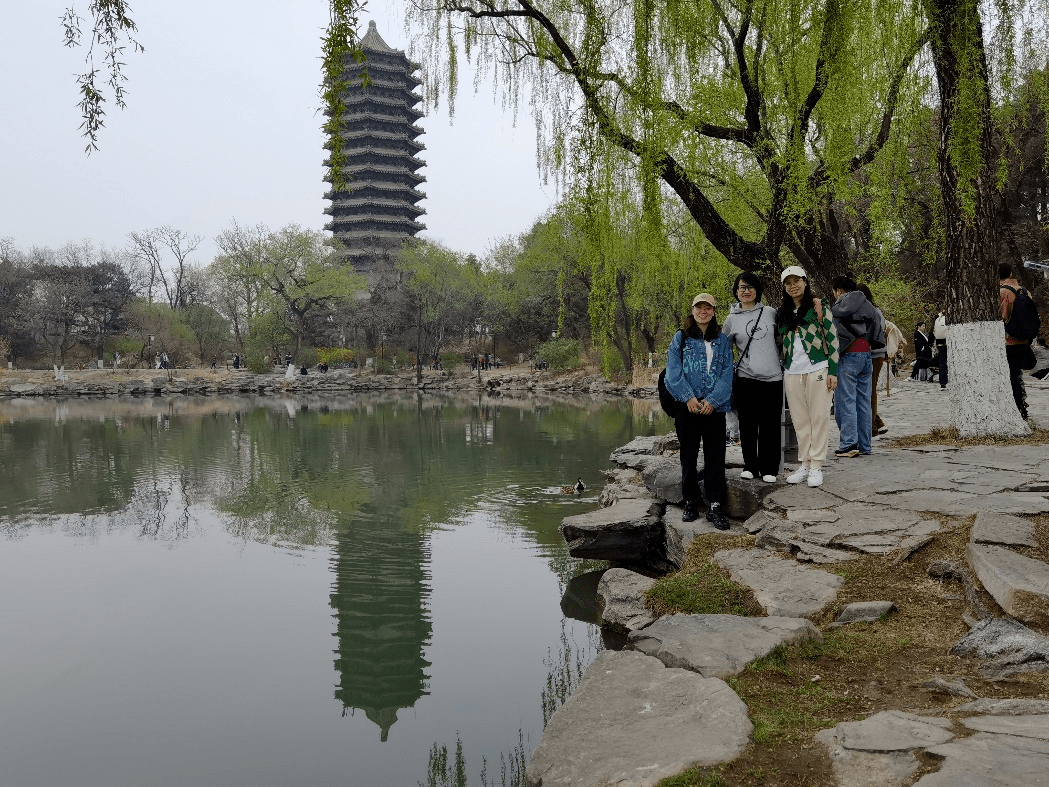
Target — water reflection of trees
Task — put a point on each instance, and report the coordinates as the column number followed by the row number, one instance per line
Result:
column 369, row 476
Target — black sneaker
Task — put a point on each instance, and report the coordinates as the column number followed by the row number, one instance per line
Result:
column 691, row 513
column 847, row 453
column 716, row 518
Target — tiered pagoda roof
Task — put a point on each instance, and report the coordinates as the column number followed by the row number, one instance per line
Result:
column 377, row 210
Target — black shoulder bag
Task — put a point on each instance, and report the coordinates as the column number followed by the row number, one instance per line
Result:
column 736, row 365
column 670, row 405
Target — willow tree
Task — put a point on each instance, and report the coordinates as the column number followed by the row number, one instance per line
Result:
column 749, row 112
column 970, row 186
column 110, row 31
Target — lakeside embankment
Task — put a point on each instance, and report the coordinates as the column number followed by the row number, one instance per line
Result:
column 207, row 382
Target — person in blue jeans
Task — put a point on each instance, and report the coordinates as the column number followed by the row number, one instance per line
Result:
column 699, row 377
column 855, row 321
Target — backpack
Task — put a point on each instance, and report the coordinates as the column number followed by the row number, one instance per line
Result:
column 1024, row 322
column 670, row 405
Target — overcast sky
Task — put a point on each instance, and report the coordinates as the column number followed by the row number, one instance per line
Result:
column 222, row 122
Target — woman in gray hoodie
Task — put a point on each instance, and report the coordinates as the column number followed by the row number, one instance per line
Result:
column 757, row 389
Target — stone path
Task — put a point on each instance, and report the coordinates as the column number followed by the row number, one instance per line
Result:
column 876, row 504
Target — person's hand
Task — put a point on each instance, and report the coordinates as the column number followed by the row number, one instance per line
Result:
column 832, row 382
column 706, row 408
column 693, row 405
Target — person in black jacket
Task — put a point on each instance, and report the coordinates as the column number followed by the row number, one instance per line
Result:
column 922, row 350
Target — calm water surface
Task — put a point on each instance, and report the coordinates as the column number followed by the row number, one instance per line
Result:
column 274, row 592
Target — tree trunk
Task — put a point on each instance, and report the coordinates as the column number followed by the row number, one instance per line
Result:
column 981, row 397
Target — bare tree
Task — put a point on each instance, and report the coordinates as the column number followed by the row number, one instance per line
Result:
column 164, row 254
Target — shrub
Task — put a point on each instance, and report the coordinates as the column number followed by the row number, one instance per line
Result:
column 256, row 361
column 561, row 354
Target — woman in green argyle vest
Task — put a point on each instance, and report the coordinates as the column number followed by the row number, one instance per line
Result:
column 810, row 370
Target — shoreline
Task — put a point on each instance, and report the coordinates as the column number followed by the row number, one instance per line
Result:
column 205, row 382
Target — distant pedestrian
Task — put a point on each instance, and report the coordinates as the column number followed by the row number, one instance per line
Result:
column 214, row 362
column 1017, row 350
column 236, row 360
column 164, row 361
column 939, row 333
column 810, row 369
column 757, row 386
column 699, row 377
column 922, row 353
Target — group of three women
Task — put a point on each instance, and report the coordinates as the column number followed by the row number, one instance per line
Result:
column 702, row 374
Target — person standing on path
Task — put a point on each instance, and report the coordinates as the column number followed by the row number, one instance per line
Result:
column 856, row 321
column 699, row 377
column 939, row 334
column 1017, row 351
column 810, row 366
column 879, row 357
column 757, row 387
column 922, row 351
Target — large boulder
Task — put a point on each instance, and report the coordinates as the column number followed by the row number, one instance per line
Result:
column 630, row 532
column 662, row 476
column 718, row 646
column 1019, row 584
column 632, row 722
column 621, row 600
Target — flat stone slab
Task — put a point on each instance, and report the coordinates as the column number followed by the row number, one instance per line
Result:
column 687, row 531
column 632, row 722
column 782, row 587
column 760, row 520
column 863, row 612
column 856, row 752
column 621, row 599
column 718, row 646
column 893, row 730
column 1030, row 726
column 1019, row 584
column 1005, row 529
column 813, row 516
column 800, row 496
column 989, row 760
column 1007, row 646
column 1006, row 707
column 630, row 531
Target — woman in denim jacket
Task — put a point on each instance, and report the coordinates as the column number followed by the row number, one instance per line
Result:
column 699, row 376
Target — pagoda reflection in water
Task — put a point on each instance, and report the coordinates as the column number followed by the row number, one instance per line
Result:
column 382, row 623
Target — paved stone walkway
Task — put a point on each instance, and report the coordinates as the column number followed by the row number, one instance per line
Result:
column 867, row 505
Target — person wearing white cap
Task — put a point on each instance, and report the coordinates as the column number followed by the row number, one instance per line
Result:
column 699, row 377
column 810, row 369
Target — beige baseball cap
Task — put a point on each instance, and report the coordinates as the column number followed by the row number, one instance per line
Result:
column 705, row 297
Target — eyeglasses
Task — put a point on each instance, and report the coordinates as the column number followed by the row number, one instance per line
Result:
column 745, row 288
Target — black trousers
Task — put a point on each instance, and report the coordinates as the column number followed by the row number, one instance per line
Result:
column 759, row 404
column 942, row 349
column 922, row 363
column 710, row 430
column 1017, row 355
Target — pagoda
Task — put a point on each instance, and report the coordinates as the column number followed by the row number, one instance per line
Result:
column 377, row 211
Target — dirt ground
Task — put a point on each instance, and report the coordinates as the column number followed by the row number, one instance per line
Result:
column 861, row 669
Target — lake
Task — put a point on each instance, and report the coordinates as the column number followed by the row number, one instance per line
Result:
column 260, row 591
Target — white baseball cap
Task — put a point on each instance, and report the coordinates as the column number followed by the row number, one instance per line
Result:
column 793, row 270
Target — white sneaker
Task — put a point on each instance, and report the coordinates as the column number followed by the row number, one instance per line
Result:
column 798, row 475
column 746, row 474
column 815, row 477
column 769, row 479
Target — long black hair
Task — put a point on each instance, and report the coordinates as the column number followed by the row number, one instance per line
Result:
column 691, row 327
column 787, row 318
